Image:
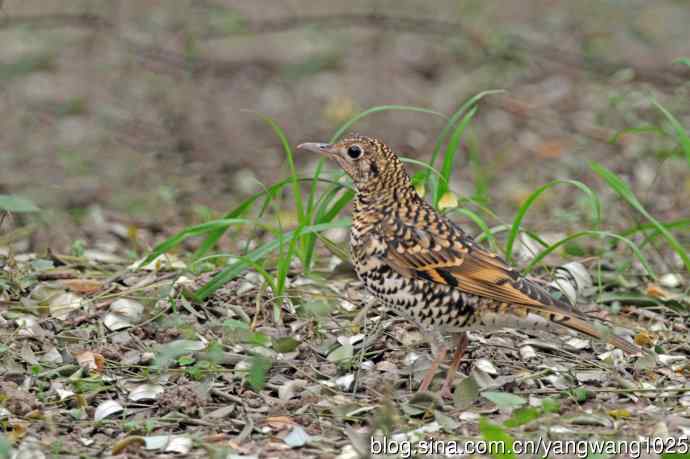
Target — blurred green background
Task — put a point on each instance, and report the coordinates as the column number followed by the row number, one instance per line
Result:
column 146, row 113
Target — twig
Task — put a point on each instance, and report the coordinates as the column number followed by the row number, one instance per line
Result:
column 227, row 397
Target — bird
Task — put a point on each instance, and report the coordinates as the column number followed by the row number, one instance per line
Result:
column 425, row 267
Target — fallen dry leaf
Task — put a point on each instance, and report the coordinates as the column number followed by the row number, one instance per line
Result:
column 91, row 361
column 655, row 291
column 83, row 286
column 644, row 339
column 279, row 422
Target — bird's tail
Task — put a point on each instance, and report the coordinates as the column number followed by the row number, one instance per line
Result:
column 548, row 318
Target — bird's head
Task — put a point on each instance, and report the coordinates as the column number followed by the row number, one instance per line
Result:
column 366, row 160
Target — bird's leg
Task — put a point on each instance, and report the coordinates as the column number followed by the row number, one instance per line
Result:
column 429, row 376
column 460, row 349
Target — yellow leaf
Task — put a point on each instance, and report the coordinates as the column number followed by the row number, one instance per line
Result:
column 655, row 291
column 132, row 232
column 420, row 188
column 644, row 339
column 17, row 430
column 448, row 201
column 91, row 361
column 288, row 218
column 85, row 286
column 619, row 413
column 120, row 446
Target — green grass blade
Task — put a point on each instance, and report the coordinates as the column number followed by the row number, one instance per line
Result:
column 624, row 191
column 283, row 267
column 334, row 248
column 380, row 108
column 681, row 133
column 197, row 230
column 299, row 203
column 314, row 184
column 337, row 206
column 680, row 223
column 258, row 267
column 655, row 233
column 449, row 157
column 241, row 209
column 17, row 204
column 515, row 229
column 591, row 233
column 493, row 231
column 481, row 223
column 308, row 243
column 452, row 121
column 479, row 173
column 422, row 164
column 234, row 270
column 229, row 273
column 327, row 209
column 480, row 205
column 615, row 138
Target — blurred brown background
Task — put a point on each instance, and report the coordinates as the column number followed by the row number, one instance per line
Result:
column 147, row 110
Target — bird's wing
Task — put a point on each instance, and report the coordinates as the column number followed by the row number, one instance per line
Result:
column 442, row 253
column 438, row 251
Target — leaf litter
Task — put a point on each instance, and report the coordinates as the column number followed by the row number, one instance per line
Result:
column 119, row 357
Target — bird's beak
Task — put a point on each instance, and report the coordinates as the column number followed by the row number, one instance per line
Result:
column 322, row 148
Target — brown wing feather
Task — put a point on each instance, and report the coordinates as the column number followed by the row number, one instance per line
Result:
column 447, row 256
column 452, row 258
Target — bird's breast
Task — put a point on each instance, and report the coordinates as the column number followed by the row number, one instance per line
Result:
column 429, row 304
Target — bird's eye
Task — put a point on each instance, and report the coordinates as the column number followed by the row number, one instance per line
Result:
column 354, row 151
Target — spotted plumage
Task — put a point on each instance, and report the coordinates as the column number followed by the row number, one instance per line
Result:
column 420, row 263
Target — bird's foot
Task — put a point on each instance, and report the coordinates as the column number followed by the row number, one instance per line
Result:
column 446, row 392
column 429, row 375
column 460, row 348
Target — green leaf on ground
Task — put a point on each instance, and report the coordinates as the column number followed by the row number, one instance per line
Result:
column 523, row 416
column 466, row 392
column 4, row 447
column 682, row 60
column 675, row 455
column 234, row 324
column 580, row 394
column 285, row 344
column 342, row 353
column 504, row 400
column 499, row 442
column 17, row 204
column 257, row 372
column 550, row 405
column 169, row 352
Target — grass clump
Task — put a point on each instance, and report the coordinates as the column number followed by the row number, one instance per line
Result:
column 316, row 213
